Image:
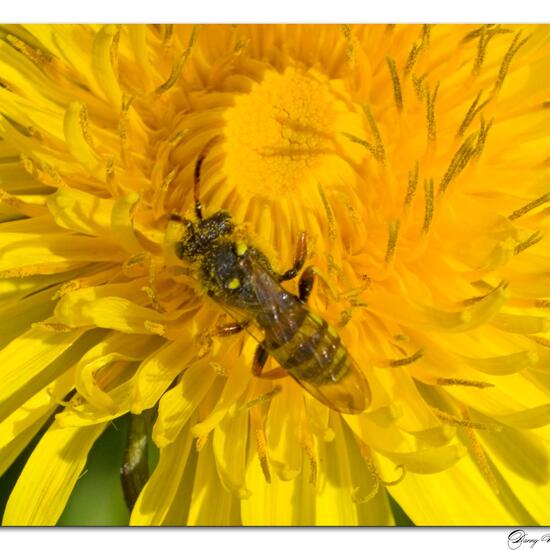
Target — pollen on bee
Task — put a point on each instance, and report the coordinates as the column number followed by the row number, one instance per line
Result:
column 241, row 248
column 234, row 283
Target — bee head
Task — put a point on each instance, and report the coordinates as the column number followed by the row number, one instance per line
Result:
column 199, row 236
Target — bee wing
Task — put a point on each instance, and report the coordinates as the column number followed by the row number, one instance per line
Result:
column 271, row 299
column 267, row 292
column 349, row 395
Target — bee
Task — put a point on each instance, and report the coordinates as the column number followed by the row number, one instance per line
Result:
column 240, row 278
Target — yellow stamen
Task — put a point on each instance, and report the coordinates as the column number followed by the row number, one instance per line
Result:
column 179, row 64
column 430, row 112
column 485, row 33
column 155, row 328
column 484, row 28
column 459, row 162
column 529, row 206
column 392, row 240
column 367, row 455
column 326, row 284
column 167, row 33
column 84, row 282
column 329, row 213
column 398, row 479
column 411, row 58
column 114, row 50
column 123, row 121
column 512, row 50
column 480, row 457
column 411, row 187
column 429, row 204
column 482, row 136
column 378, row 150
column 419, row 86
column 472, row 112
column 35, row 269
column 463, row 422
column 310, row 452
column 105, row 62
column 52, row 327
column 168, row 179
column 540, row 340
column 354, row 292
column 152, row 295
column 366, row 144
column 463, row 382
column 110, row 175
column 426, row 33
column 205, row 342
column 23, row 204
column 264, row 398
column 261, row 443
column 406, row 360
column 481, row 50
column 348, row 35
column 397, row 95
column 357, row 498
column 77, row 135
column 533, row 239
column 345, row 317
column 37, row 56
column 140, row 260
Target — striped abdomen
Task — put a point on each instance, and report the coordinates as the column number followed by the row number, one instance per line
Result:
column 312, row 352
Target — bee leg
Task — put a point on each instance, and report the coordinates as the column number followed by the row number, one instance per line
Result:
column 231, row 328
column 305, row 285
column 260, row 358
column 178, row 218
column 299, row 259
column 134, row 472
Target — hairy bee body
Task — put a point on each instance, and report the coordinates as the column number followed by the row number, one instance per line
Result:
column 241, row 279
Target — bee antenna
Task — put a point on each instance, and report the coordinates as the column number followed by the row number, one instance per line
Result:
column 197, row 176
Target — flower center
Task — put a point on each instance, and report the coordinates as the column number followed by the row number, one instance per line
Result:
column 284, row 132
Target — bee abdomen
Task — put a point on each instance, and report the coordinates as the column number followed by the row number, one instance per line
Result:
column 304, row 351
column 314, row 353
column 327, row 366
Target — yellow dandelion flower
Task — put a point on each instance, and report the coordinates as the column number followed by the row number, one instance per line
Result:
column 410, row 162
